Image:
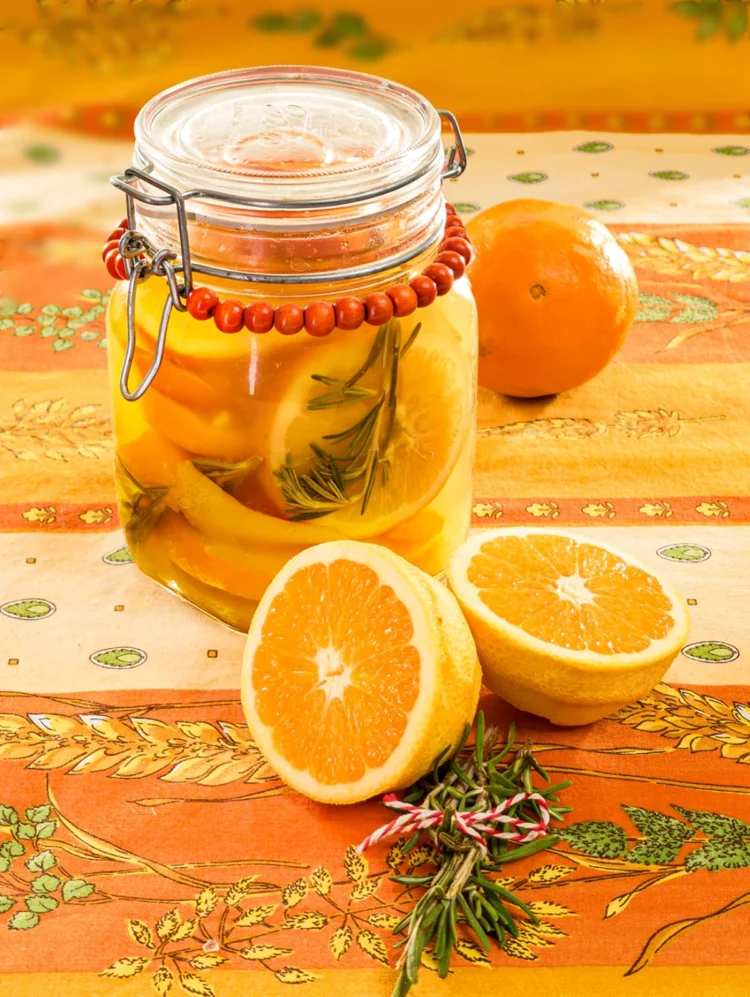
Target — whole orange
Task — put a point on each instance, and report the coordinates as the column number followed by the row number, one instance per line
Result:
column 556, row 296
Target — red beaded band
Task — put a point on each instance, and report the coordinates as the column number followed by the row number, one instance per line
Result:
column 320, row 318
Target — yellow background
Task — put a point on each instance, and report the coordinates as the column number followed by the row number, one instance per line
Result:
column 481, row 59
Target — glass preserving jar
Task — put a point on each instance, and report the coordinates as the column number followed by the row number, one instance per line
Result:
column 281, row 192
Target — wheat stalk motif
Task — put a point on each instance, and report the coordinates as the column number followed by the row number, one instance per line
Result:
column 639, row 424
column 697, row 723
column 675, row 256
column 49, row 429
column 135, row 748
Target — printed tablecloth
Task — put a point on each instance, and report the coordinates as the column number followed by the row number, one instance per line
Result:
column 145, row 845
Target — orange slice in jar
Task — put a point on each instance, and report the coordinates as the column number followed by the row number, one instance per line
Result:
column 358, row 671
column 431, row 425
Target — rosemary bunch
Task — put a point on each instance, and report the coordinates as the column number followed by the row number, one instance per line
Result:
column 344, row 466
column 462, row 892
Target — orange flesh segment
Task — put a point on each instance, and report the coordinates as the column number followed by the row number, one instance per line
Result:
column 574, row 595
column 335, row 674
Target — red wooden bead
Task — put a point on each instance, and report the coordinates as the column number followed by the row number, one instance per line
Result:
column 455, row 231
column 115, row 234
column 460, row 246
column 108, row 247
column 449, row 209
column 442, row 275
column 109, row 262
column 425, row 290
column 320, row 318
column 201, row 302
column 378, row 308
column 289, row 319
column 350, row 312
column 229, row 316
column 404, row 300
column 120, row 268
column 124, row 224
column 259, row 317
column 454, row 261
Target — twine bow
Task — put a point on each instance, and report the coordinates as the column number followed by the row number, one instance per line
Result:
column 473, row 824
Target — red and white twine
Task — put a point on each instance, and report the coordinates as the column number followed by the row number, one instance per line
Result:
column 473, row 823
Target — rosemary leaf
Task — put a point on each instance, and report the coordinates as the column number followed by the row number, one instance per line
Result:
column 463, row 886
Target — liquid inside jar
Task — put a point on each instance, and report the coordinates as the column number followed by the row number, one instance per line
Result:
column 247, row 448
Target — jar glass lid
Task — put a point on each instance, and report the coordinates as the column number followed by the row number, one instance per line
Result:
column 289, row 133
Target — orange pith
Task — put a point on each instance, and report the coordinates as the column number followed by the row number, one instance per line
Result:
column 574, row 595
column 335, row 673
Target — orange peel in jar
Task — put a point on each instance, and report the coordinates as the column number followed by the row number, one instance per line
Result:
column 219, row 564
column 214, row 512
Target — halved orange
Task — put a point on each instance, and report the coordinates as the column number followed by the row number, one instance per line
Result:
column 567, row 628
column 359, row 669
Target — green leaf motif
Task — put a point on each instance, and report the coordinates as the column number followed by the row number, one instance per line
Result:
column 719, row 853
column 531, row 177
column 369, row 49
column 8, row 815
column 75, row 311
column 38, row 814
column 24, row 330
column 697, row 309
column 42, row 153
column 62, row 344
column 45, row 884
column 119, row 657
column 8, row 306
column 278, row 23
column 465, row 207
column 599, row 838
column 91, row 293
column 25, row 309
column 594, row 147
column 25, row 831
column 47, row 320
column 5, row 904
column 735, row 24
column 732, row 150
column 348, row 24
column 28, row 609
column 605, row 205
column 669, row 175
column 88, row 335
column 684, row 552
column 653, row 308
column 41, row 862
column 121, row 555
column 50, row 310
column 7, row 323
column 41, row 905
column 4, row 863
column 12, row 849
column 715, row 825
column 23, row 920
column 711, row 651
column 688, row 8
column 46, row 829
column 76, row 889
column 665, row 836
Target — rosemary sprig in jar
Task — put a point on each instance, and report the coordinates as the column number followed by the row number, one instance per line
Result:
column 480, row 811
column 344, row 471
